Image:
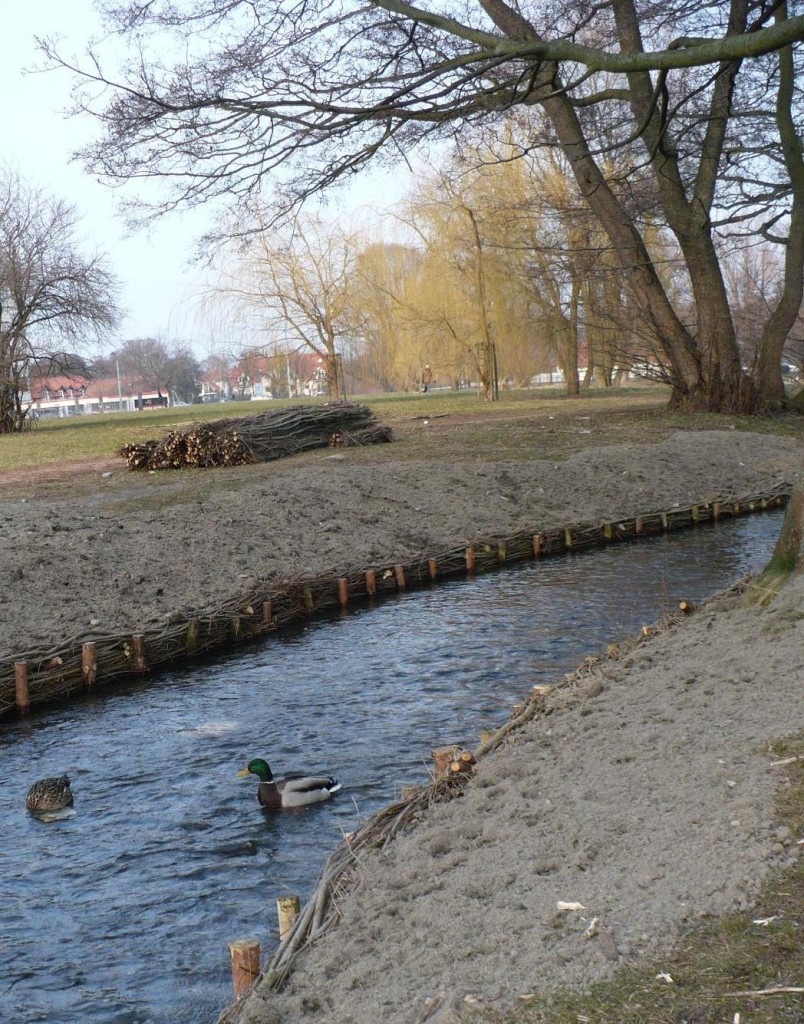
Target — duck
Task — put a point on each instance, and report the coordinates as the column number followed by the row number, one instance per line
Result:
column 294, row 790
column 53, row 794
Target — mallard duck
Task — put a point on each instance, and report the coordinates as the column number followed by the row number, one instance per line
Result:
column 294, row 790
column 49, row 795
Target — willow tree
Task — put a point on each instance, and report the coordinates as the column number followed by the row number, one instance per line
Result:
column 290, row 287
column 315, row 89
column 382, row 299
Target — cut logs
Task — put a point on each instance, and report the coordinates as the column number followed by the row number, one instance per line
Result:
column 274, row 434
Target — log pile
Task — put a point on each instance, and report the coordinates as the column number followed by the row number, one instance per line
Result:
column 269, row 435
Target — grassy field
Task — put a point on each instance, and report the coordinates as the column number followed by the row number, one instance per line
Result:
column 522, row 424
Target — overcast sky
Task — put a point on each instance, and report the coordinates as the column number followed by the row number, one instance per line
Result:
column 159, row 287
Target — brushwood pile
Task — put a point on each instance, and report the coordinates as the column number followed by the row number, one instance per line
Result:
column 274, row 434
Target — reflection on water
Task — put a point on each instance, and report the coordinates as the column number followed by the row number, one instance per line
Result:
column 122, row 913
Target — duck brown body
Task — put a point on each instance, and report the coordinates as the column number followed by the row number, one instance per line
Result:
column 53, row 794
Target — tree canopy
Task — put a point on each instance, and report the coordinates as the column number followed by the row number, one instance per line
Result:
column 299, row 94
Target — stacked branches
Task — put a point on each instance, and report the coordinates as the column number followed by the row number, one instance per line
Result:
column 268, row 435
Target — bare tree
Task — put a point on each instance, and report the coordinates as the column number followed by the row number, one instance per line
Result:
column 291, row 287
column 710, row 121
column 155, row 365
column 54, row 300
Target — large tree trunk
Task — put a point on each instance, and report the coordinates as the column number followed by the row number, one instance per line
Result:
column 788, row 555
column 783, row 317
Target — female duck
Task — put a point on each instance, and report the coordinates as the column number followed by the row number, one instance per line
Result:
column 49, row 795
column 294, row 790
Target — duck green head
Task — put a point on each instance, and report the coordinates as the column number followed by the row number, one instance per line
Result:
column 259, row 768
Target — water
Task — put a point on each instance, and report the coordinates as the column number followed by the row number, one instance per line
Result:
column 121, row 914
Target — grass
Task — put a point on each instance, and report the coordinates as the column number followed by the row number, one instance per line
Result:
column 542, row 423
column 730, row 954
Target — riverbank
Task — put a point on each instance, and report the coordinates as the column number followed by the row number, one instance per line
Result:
column 100, row 550
column 640, row 800
column 646, row 798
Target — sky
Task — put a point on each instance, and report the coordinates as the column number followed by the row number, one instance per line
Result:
column 160, row 286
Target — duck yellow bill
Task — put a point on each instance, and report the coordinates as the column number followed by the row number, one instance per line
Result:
column 243, row 773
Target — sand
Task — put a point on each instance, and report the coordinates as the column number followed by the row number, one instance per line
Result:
column 645, row 796
column 135, row 551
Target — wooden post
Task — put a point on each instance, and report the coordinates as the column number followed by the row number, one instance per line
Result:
column 371, row 583
column 287, row 909
column 307, row 597
column 501, row 551
column 663, row 518
column 432, row 568
column 399, row 572
column 470, row 559
column 89, row 664
column 21, row 696
column 343, row 591
column 694, row 513
column 191, row 643
column 607, row 531
column 638, row 524
column 138, row 653
column 567, row 539
column 245, row 954
column 716, row 511
column 537, row 545
column 267, row 613
column 235, row 627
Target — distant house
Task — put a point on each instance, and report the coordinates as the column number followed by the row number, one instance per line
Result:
column 57, row 397
column 280, row 376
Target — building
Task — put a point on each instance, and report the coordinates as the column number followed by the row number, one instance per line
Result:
column 58, row 397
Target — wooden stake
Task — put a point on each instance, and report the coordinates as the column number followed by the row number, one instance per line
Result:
column 235, row 627
column 287, row 909
column 89, row 664
column 638, row 524
column 307, row 597
column 694, row 512
column 245, row 954
column 22, row 699
column 716, row 511
column 663, row 518
column 191, row 643
column 470, row 559
column 343, row 591
column 501, row 551
column 371, row 583
column 399, row 572
column 138, row 661
column 607, row 531
column 432, row 568
column 267, row 613
column 537, row 545
column 567, row 539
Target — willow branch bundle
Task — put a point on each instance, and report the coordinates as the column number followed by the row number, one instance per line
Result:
column 274, row 434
